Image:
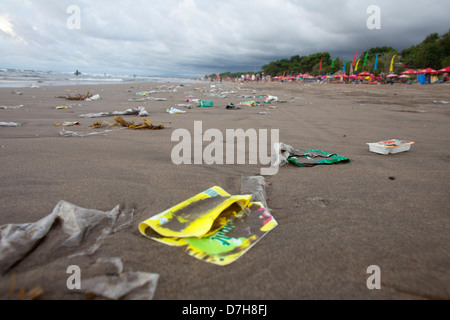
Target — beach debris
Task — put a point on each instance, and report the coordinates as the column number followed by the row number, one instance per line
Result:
column 147, row 125
column 139, row 111
column 66, row 133
column 391, row 146
column 310, row 158
column 23, row 294
column 82, row 232
column 63, row 107
column 175, row 111
column 248, row 103
column 78, row 97
column 213, row 226
column 121, row 285
column 270, row 98
column 263, row 113
column 12, row 107
column 232, row 107
column 68, row 124
column 9, row 124
column 256, row 186
column 443, row 101
column 17, row 92
column 206, row 103
column 147, row 98
column 94, row 98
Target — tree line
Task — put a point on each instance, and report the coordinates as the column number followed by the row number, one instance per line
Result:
column 433, row 52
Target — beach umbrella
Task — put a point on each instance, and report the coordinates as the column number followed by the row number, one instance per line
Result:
column 404, row 76
column 392, row 75
column 428, row 70
column 445, row 70
column 409, row 71
column 365, row 73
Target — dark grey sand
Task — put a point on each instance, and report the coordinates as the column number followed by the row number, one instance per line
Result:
column 334, row 221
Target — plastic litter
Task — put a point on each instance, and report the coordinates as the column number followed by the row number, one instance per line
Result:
column 270, row 98
column 256, row 186
column 233, row 107
column 121, row 285
column 94, row 98
column 68, row 124
column 17, row 240
column 139, row 111
column 286, row 153
column 212, row 226
column 392, row 146
column 206, row 103
column 9, row 124
column 175, row 111
column 12, row 107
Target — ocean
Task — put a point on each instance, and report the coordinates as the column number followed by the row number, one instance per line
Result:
column 13, row 78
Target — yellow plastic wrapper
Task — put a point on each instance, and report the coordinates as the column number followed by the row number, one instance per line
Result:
column 213, row 226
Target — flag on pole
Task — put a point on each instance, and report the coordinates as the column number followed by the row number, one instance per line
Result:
column 376, row 63
column 392, row 63
column 365, row 59
column 354, row 59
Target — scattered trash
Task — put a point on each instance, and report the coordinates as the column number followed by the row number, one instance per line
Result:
column 212, row 226
column 9, row 124
column 23, row 294
column 11, row 107
column 66, row 133
column 233, row 107
column 68, row 124
column 310, row 158
column 147, row 125
column 206, row 103
column 175, row 111
column 392, row 178
column 270, row 98
column 263, row 113
column 256, row 186
column 78, row 97
column 443, row 102
column 63, row 107
column 139, row 111
column 119, row 285
column 248, row 103
column 390, row 146
column 17, row 92
column 17, row 240
column 93, row 98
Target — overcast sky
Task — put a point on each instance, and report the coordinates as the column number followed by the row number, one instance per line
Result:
column 198, row 37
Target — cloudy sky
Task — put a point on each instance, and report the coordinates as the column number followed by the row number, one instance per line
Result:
column 198, row 37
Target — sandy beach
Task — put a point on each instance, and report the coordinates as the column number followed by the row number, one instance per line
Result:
column 334, row 221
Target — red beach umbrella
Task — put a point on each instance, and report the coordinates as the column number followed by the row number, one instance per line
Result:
column 428, row 70
column 365, row 73
column 409, row 71
column 445, row 70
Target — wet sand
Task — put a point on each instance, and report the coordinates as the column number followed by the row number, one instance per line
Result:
column 334, row 221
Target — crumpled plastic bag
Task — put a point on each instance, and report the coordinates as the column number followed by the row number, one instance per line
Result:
column 121, row 285
column 18, row 240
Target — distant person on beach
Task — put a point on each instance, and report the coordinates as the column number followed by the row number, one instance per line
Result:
column 77, row 73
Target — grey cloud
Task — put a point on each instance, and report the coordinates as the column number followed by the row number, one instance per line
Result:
column 195, row 37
